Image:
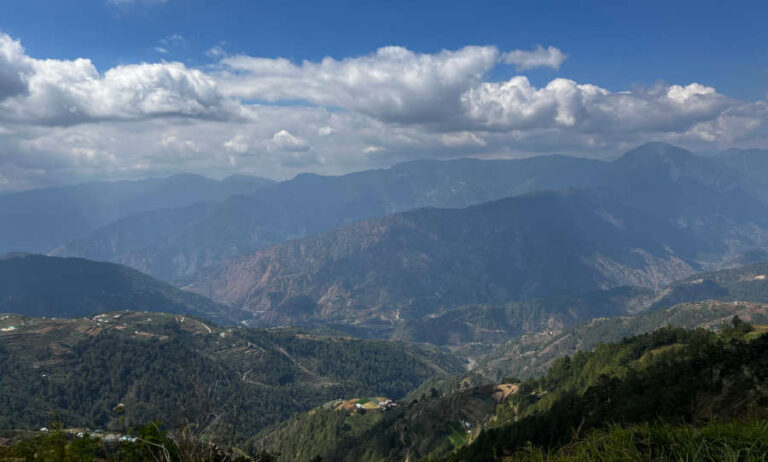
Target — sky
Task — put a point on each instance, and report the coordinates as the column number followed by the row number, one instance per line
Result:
column 112, row 89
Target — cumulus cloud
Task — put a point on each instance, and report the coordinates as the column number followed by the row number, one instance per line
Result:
column 285, row 141
column 562, row 103
column 538, row 57
column 65, row 120
column 15, row 68
column 393, row 84
column 57, row 92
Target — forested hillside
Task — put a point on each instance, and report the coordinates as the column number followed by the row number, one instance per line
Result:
column 37, row 285
column 670, row 376
column 228, row 382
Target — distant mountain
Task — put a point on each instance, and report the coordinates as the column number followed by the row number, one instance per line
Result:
column 724, row 208
column 496, row 323
column 227, row 384
column 532, row 354
column 490, row 323
column 41, row 219
column 747, row 283
column 751, row 162
column 657, row 214
column 181, row 243
column 411, row 264
column 37, row 285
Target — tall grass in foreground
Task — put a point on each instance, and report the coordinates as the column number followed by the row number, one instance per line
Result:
column 717, row 441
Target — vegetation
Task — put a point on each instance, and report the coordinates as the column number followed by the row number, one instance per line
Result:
column 671, row 375
column 744, row 441
column 433, row 424
column 150, row 442
column 227, row 384
column 495, row 323
column 36, row 285
column 665, row 393
column 531, row 355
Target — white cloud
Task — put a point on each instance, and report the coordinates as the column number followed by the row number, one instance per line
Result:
column 538, row 57
column 15, row 68
column 562, row 103
column 216, row 52
column 161, row 50
column 65, row 121
column 325, row 131
column 372, row 149
column 462, row 139
column 56, row 92
column 392, row 84
column 285, row 141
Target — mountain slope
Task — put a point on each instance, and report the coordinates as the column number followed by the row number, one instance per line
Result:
column 228, row 383
column 37, row 285
column 310, row 204
column 489, row 323
column 410, row 264
column 532, row 354
column 670, row 374
column 725, row 206
column 494, row 323
column 657, row 214
column 41, row 219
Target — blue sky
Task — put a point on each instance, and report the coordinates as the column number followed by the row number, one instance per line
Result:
column 613, row 44
column 101, row 89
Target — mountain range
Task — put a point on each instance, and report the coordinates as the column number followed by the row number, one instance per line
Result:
column 381, row 248
column 452, row 310
column 37, row 285
column 185, row 241
column 655, row 215
column 43, row 219
column 684, row 189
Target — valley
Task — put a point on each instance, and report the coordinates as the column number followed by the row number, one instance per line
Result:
column 423, row 314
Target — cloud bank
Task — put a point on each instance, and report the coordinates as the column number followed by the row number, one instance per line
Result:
column 65, row 120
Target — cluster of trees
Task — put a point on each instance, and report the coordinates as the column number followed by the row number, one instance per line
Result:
column 671, row 375
column 152, row 442
column 744, row 441
column 228, row 388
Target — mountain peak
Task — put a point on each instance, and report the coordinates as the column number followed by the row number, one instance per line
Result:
column 656, row 150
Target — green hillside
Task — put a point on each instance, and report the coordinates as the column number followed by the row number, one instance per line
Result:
column 671, row 375
column 36, row 285
column 531, row 355
column 229, row 382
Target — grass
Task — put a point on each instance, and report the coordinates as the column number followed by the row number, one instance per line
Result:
column 759, row 329
column 717, row 441
column 458, row 435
